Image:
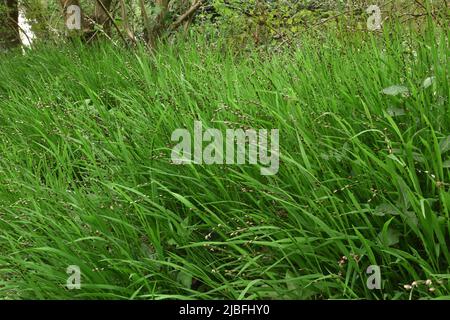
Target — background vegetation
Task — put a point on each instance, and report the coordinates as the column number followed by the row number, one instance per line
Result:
column 364, row 119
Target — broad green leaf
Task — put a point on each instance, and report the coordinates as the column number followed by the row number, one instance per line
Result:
column 411, row 218
column 386, row 208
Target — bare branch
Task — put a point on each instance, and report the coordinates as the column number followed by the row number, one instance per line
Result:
column 187, row 14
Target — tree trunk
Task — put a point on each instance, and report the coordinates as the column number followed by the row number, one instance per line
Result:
column 160, row 23
column 9, row 24
column 101, row 17
column 65, row 4
column 152, row 33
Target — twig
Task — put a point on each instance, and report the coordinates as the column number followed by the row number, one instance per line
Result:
column 186, row 15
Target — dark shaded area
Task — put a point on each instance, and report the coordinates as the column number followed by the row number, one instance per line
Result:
column 9, row 24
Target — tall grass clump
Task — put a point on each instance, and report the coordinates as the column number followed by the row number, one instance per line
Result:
column 86, row 177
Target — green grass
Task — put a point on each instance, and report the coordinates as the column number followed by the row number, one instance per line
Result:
column 86, row 178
